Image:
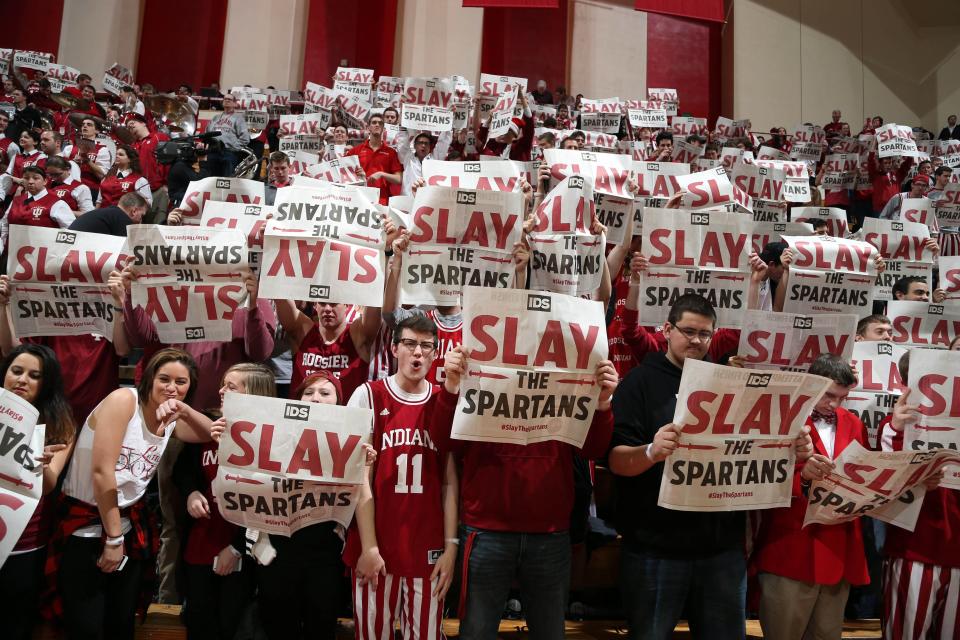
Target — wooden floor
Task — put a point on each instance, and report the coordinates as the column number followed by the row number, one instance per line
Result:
column 163, row 623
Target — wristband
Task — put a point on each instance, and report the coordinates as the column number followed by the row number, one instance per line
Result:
column 116, row 308
column 236, row 554
column 455, row 541
column 114, row 542
column 649, row 452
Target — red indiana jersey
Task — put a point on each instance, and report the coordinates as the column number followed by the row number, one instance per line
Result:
column 65, row 193
column 340, row 357
column 113, row 187
column 620, row 353
column 23, row 160
column 448, row 337
column 407, row 480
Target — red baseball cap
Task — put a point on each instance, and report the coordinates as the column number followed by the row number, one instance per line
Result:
column 921, row 178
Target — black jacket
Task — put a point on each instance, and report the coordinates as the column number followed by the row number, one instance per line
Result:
column 645, row 401
column 947, row 134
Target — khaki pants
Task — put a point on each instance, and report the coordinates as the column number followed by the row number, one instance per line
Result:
column 794, row 610
column 157, row 214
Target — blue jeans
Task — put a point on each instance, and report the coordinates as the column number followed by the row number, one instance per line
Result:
column 540, row 560
column 657, row 592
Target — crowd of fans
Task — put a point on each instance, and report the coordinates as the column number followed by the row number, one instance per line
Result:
column 497, row 514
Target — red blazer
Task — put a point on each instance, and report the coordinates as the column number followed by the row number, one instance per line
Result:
column 821, row 554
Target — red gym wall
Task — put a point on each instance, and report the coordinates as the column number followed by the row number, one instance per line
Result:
column 182, row 41
column 33, row 25
column 362, row 32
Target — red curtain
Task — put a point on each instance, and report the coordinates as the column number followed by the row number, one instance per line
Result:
column 697, row 9
column 526, row 43
column 527, row 4
column 181, row 41
column 686, row 55
column 32, row 25
column 360, row 33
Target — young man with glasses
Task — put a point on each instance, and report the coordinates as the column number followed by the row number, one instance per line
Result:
column 673, row 563
column 404, row 546
column 423, row 148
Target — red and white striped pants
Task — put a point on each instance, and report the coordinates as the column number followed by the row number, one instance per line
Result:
column 375, row 611
column 920, row 601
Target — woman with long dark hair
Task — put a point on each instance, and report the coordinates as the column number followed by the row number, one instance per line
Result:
column 108, row 538
column 125, row 176
column 216, row 584
column 32, row 372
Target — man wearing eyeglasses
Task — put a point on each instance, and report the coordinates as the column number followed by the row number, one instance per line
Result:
column 423, row 149
column 404, row 547
column 673, row 563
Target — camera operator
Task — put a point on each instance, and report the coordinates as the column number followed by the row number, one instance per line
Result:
column 189, row 162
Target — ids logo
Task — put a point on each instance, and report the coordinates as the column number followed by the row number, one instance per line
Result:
column 935, row 309
column 896, row 226
column 319, row 292
column 251, row 210
column 653, row 166
column 803, row 322
column 575, row 182
column 466, row 197
column 538, row 303
column 885, row 349
column 431, row 83
column 223, row 184
column 762, row 171
column 471, row 167
column 778, row 227
column 699, row 218
column 66, row 237
column 588, row 156
column 296, row 412
column 759, row 379
column 194, row 333
column 824, row 213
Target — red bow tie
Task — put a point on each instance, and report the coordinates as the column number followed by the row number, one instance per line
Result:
column 829, row 418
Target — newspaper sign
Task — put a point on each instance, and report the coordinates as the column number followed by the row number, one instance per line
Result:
column 601, row 115
column 345, row 170
column 279, row 477
column 903, row 245
column 835, row 218
column 531, row 372
column 459, row 238
column 791, row 342
column 164, row 254
column 878, row 384
column 5, row 56
column 770, row 211
column 935, row 389
column 896, row 269
column 501, row 175
column 894, row 140
column 21, row 476
column 414, row 116
column 828, row 254
column 608, row 173
column 705, row 240
column 31, row 60
column 617, row 215
column 248, row 219
column 221, row 190
column 683, row 126
column 919, row 210
column 764, row 183
column 647, row 118
column 58, row 281
column 190, row 312
column 710, row 190
column 763, row 233
column 947, row 208
column 885, row 485
column 727, row 128
column 737, row 432
column 829, row 292
column 687, row 152
column 726, row 291
column 324, row 245
column 922, row 324
column 319, row 97
column 61, row 76
column 950, row 276
column 429, row 92
column 657, row 181
column 304, row 124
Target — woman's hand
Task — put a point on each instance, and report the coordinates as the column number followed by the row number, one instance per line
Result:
column 217, row 428
column 443, row 571
column 370, row 453
column 197, row 505
column 607, row 379
column 4, row 290
column 49, row 451
column 175, row 217
column 110, row 558
column 170, row 411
